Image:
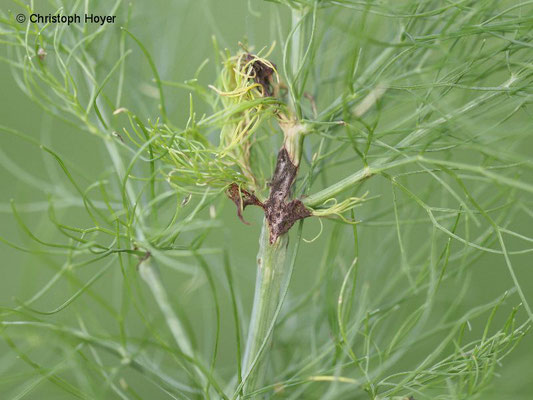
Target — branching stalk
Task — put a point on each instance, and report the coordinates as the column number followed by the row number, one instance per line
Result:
column 280, row 215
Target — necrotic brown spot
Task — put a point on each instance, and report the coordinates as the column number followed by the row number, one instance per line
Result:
column 242, row 198
column 263, row 73
column 280, row 213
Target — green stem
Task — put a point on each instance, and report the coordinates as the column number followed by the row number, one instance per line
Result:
column 296, row 56
column 387, row 162
column 271, row 272
column 151, row 277
column 296, row 51
column 320, row 197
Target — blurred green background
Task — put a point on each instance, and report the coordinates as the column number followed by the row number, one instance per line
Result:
column 179, row 37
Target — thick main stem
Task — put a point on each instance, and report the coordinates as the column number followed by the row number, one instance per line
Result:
column 270, row 275
column 280, row 215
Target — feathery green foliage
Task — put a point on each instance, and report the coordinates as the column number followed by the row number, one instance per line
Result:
column 410, row 124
